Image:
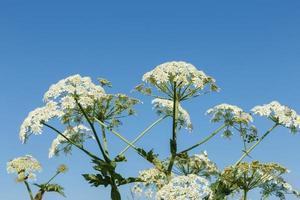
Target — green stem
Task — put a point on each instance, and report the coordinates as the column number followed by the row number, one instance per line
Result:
column 204, row 140
column 257, row 143
column 71, row 142
column 142, row 134
column 52, row 178
column 245, row 195
column 116, row 133
column 94, row 131
column 28, row 190
column 173, row 141
column 104, row 140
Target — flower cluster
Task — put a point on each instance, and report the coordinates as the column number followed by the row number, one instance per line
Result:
column 190, row 187
column 229, row 114
column 151, row 180
column 81, row 86
column 198, row 164
column 280, row 114
column 164, row 106
column 25, row 167
column 76, row 134
column 234, row 117
column 62, row 169
column 33, row 122
column 68, row 98
column 184, row 75
column 111, row 107
column 248, row 176
column 180, row 72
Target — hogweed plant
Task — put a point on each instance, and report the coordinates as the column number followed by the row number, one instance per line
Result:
column 25, row 168
column 86, row 112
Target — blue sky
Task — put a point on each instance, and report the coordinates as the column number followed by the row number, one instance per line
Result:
column 251, row 48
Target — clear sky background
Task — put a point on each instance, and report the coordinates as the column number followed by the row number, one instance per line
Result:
column 251, row 48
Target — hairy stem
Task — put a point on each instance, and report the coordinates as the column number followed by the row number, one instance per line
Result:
column 257, row 143
column 204, row 140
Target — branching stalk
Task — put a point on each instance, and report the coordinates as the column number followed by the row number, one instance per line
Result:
column 72, row 143
column 142, row 134
column 94, row 132
column 257, row 143
column 205, row 139
column 116, row 133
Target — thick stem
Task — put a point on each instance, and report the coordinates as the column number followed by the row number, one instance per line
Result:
column 257, row 143
column 28, row 190
column 142, row 134
column 173, row 141
column 39, row 195
column 204, row 140
column 245, row 195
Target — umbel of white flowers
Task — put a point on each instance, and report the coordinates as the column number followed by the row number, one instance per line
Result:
column 188, row 183
column 280, row 114
column 165, row 106
column 64, row 92
column 25, row 167
column 176, row 78
column 181, row 72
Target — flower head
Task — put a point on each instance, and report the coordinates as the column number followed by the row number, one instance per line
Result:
column 198, row 164
column 25, row 167
column 33, row 122
column 151, row 180
column 190, row 187
column 234, row 117
column 280, row 114
column 255, row 175
column 62, row 168
column 164, row 106
column 229, row 113
column 183, row 75
column 81, row 86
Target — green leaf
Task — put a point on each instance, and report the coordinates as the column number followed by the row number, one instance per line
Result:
column 51, row 188
column 97, row 179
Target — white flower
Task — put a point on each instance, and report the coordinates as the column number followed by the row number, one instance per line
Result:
column 24, row 167
column 60, row 102
column 33, row 122
column 166, row 106
column 190, row 187
column 281, row 113
column 232, row 112
column 64, row 91
column 177, row 71
column 69, row 132
column 153, row 176
column 202, row 161
column 185, row 75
